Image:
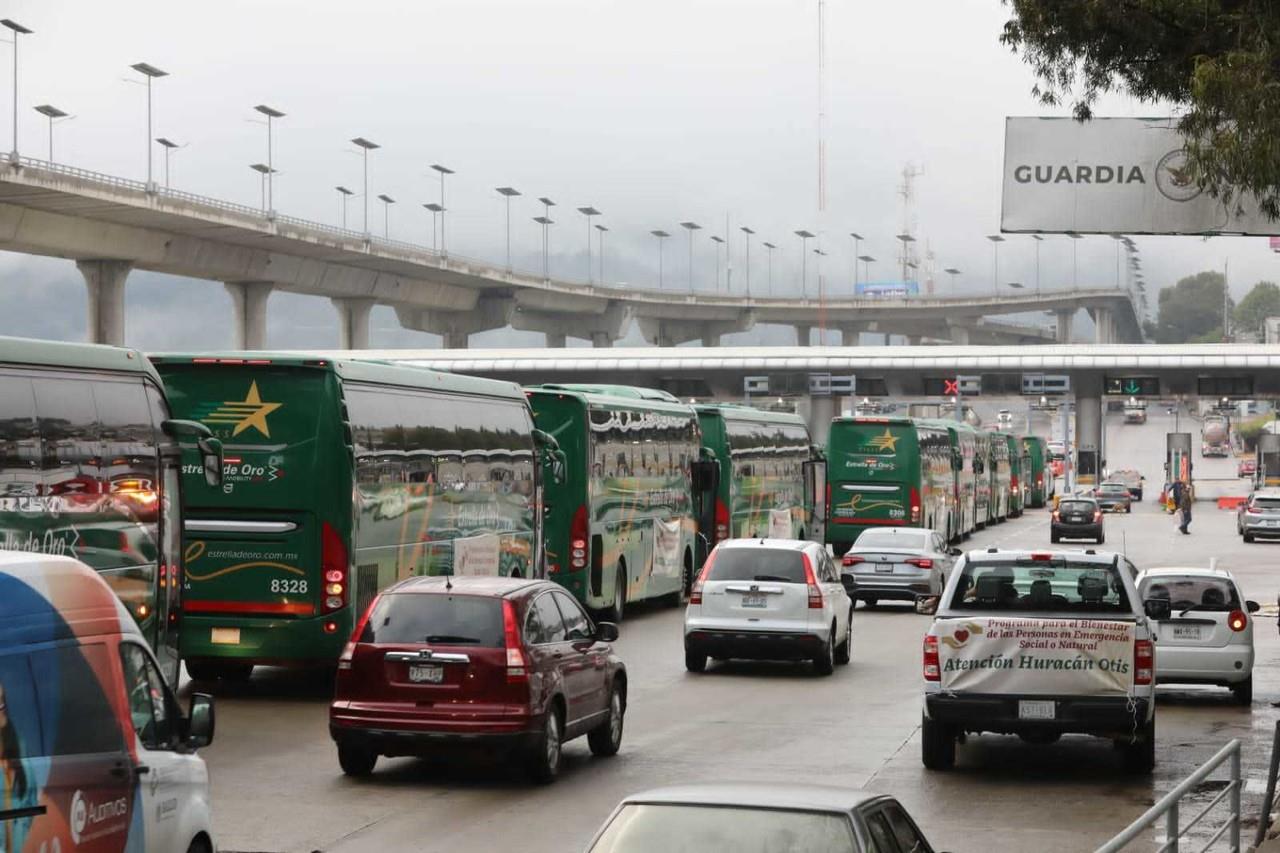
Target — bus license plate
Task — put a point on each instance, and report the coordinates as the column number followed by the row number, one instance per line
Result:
column 884, row 568
column 225, row 636
column 1036, row 710
column 753, row 599
column 426, row 673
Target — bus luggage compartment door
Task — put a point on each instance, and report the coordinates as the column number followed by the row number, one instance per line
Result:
column 815, row 498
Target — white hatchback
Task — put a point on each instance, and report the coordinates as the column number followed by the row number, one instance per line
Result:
column 1208, row 637
column 768, row 599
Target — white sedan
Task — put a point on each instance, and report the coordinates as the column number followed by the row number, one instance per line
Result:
column 1208, row 637
column 768, row 599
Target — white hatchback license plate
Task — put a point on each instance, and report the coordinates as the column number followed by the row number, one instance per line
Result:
column 426, row 673
column 1036, row 710
column 884, row 568
column 225, row 636
column 753, row 599
column 1186, row 632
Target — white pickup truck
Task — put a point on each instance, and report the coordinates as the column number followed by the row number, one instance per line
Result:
column 1041, row 644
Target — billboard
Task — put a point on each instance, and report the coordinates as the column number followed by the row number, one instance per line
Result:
column 886, row 289
column 1110, row 176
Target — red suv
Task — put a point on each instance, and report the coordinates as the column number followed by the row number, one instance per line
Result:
column 499, row 663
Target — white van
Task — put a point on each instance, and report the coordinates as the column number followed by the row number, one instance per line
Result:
column 93, row 746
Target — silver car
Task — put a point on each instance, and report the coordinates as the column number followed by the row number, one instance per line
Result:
column 757, row 818
column 897, row 564
column 1259, row 515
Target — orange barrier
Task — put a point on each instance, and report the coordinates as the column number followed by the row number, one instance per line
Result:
column 1231, row 503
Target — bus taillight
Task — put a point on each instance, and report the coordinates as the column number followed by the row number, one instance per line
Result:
column 333, row 563
column 915, row 505
column 579, row 535
column 722, row 521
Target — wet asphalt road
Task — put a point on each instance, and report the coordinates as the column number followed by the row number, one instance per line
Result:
column 277, row 786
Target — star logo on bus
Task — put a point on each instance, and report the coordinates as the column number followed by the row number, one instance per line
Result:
column 249, row 413
column 887, row 442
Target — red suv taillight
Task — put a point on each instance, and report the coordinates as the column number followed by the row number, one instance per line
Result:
column 349, row 650
column 695, row 594
column 920, row 562
column 915, row 505
column 517, row 667
column 722, row 521
column 1238, row 620
column 334, row 568
column 932, row 666
column 1144, row 661
column 815, row 591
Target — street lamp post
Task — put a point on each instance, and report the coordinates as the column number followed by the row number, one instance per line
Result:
column 719, row 241
column 661, row 235
column 602, row 230
column 507, row 193
column 588, row 212
column 365, row 147
column 953, row 272
column 52, row 113
column 1119, row 238
column 996, row 240
column 1075, row 241
column 748, row 232
column 442, row 171
column 19, row 30
column 867, row 261
column 436, row 210
column 1038, row 240
column 690, row 227
column 387, row 201
column 857, row 239
column 804, row 258
column 151, row 73
column 769, row 282
column 344, row 194
column 167, row 144
column 271, row 114
column 546, row 222
column 264, row 172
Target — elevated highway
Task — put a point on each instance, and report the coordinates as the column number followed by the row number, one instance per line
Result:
column 111, row 226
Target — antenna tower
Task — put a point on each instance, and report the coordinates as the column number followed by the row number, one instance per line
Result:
column 907, row 190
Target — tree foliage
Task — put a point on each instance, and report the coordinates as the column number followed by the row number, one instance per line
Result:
column 1217, row 61
column 1191, row 310
column 1261, row 302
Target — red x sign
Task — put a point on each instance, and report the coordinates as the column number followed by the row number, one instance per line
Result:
column 950, row 387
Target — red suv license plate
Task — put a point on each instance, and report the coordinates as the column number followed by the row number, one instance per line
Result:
column 426, row 673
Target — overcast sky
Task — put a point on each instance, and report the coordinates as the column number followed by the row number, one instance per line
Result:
column 654, row 112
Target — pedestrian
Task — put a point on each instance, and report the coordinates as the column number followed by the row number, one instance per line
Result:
column 1184, row 507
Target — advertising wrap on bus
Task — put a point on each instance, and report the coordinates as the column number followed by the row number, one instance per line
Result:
column 887, row 289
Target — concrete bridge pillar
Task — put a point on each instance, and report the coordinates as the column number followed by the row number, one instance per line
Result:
column 1104, row 323
column 105, row 280
column 818, row 412
column 601, row 340
column 249, row 304
column 353, row 322
column 960, row 335
column 555, row 340
column 1065, row 318
column 850, row 336
column 803, row 335
column 456, row 339
column 1089, row 461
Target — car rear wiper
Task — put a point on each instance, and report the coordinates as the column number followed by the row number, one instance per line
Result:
column 775, row 578
column 1189, row 609
column 449, row 638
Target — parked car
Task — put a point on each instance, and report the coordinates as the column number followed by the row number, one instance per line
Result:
column 1041, row 644
column 1132, row 479
column 1208, row 637
column 1077, row 517
column 94, row 751
column 1113, row 497
column 896, row 564
column 1248, row 467
column 1259, row 515
column 504, row 664
column 769, row 599
column 729, row 818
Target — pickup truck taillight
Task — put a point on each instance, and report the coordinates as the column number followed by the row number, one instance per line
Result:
column 932, row 666
column 1144, row 661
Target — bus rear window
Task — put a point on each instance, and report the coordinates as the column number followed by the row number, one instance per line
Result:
column 758, row 564
column 453, row 620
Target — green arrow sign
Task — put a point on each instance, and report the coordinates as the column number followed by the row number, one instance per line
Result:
column 1131, row 387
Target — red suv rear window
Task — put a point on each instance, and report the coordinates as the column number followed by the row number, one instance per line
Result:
column 452, row 620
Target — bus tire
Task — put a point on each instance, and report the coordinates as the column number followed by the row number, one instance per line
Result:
column 356, row 760
column 618, row 608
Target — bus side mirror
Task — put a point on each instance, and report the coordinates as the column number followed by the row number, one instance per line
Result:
column 559, row 465
column 211, row 460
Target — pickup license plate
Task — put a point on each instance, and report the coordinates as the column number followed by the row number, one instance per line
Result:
column 884, row 568
column 1186, row 632
column 1037, row 710
column 225, row 636
column 753, row 599
column 426, row 673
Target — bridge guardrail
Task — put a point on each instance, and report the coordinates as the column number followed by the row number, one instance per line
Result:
column 1168, row 808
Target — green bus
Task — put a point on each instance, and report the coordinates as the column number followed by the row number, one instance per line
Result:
column 983, row 479
column 1017, row 464
column 90, row 468
column 964, row 447
column 622, row 525
column 1038, row 480
column 342, row 477
column 889, row 472
column 1001, row 470
column 766, row 468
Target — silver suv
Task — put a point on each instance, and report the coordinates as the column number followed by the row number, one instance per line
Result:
column 1259, row 515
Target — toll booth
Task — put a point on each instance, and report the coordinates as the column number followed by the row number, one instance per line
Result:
column 1268, row 471
column 1177, row 458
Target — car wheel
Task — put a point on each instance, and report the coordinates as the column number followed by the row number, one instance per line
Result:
column 1248, row 537
column 695, row 661
column 1054, row 538
column 543, row 764
column 356, row 760
column 1140, row 755
column 1102, row 540
column 199, row 845
column 606, row 738
column 619, row 606
column 844, row 651
column 1243, row 692
column 870, row 601
column 825, row 663
column 937, row 745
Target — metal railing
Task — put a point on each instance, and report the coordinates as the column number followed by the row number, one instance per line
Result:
column 1269, row 803
column 1168, row 808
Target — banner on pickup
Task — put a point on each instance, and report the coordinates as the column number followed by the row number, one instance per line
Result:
column 1036, row 656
